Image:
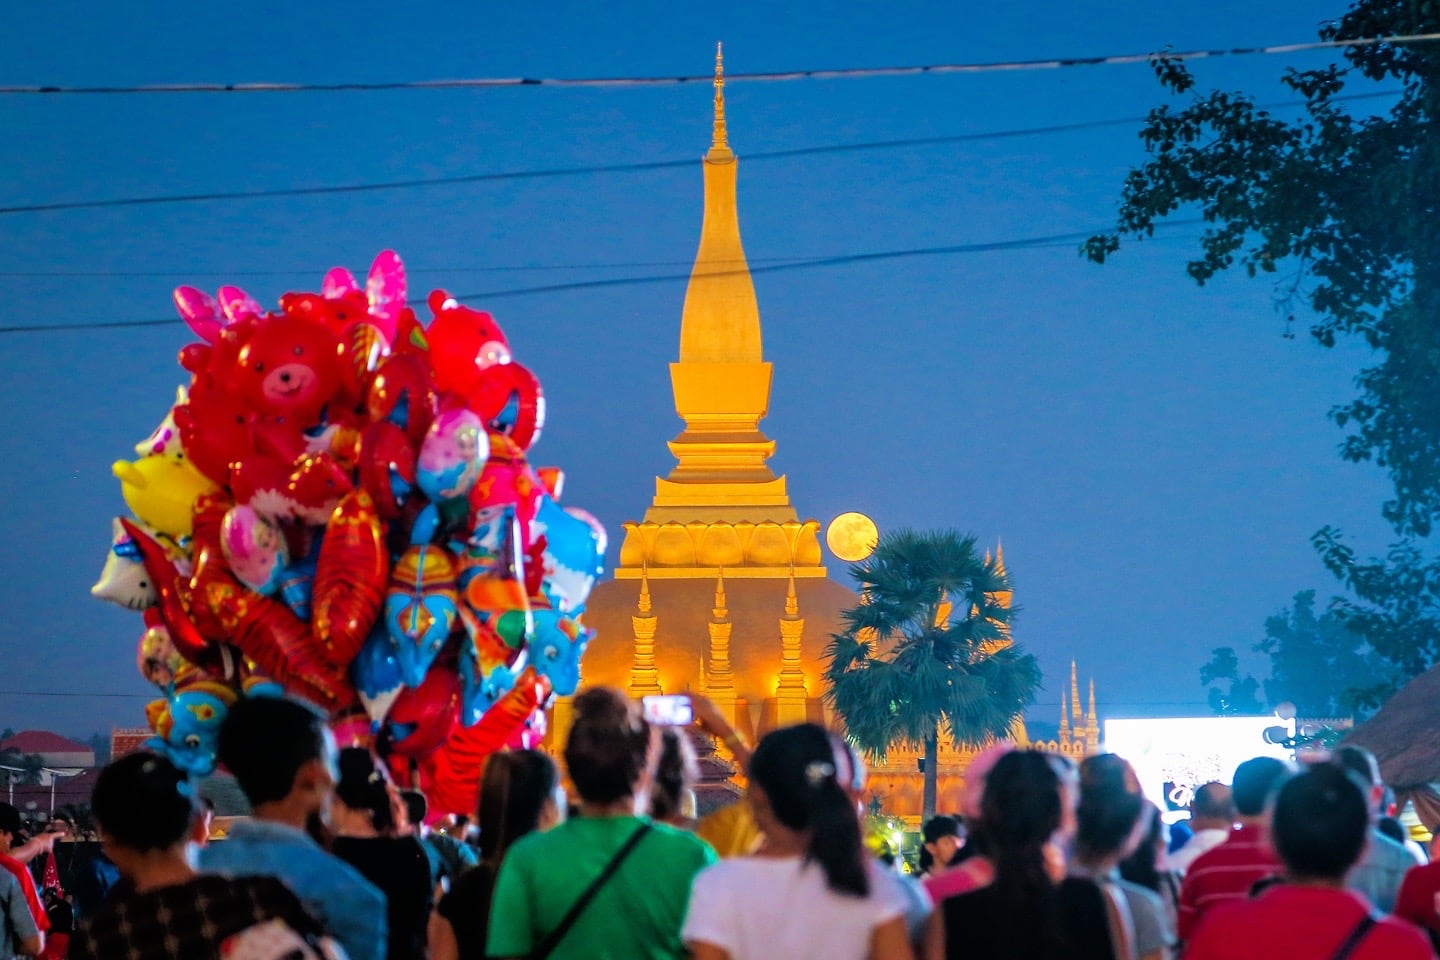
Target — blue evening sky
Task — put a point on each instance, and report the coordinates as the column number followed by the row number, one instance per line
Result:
column 1153, row 455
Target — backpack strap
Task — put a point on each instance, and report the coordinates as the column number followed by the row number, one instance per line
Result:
column 553, row 938
column 1356, row 935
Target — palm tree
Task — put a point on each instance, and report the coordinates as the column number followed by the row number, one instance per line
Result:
column 928, row 646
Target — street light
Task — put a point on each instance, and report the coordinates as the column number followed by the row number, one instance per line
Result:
column 53, row 774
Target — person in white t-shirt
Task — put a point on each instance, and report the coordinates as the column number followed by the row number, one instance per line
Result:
column 811, row 892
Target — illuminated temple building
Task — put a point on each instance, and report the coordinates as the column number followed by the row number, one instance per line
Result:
column 721, row 588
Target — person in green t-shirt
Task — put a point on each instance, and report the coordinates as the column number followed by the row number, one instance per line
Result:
column 639, row 910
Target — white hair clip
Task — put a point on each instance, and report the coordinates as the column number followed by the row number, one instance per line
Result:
column 816, row 771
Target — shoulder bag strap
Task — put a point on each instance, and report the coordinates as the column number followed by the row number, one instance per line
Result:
column 553, row 938
column 1356, row 935
column 1119, row 920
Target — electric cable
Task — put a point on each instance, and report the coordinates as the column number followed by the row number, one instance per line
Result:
column 1029, row 243
column 994, row 66
column 759, row 156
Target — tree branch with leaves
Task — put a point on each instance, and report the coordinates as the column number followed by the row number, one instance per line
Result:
column 1352, row 202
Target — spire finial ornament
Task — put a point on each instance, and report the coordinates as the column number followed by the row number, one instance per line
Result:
column 792, row 602
column 719, row 140
column 644, row 602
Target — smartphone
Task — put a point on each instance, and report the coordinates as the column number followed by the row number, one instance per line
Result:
column 672, row 710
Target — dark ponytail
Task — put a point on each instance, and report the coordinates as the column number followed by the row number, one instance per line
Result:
column 513, row 791
column 1020, row 811
column 363, row 786
column 795, row 767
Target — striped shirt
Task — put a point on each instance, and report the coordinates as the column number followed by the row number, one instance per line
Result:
column 1225, row 873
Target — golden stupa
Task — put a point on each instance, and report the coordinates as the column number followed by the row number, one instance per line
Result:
column 721, row 589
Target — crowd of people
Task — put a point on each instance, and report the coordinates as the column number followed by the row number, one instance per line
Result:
column 1045, row 860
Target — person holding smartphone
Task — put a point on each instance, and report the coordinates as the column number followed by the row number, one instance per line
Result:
column 731, row 830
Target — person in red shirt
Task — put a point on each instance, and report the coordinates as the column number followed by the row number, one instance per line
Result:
column 1419, row 898
column 1228, row 871
column 11, row 829
column 1321, row 824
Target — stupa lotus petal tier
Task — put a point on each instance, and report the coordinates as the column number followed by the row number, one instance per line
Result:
column 741, row 548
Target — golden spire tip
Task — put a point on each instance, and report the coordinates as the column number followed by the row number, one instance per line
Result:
column 719, row 140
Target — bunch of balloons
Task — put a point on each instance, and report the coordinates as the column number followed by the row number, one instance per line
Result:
column 339, row 506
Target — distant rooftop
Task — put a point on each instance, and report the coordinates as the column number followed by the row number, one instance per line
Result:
column 43, row 741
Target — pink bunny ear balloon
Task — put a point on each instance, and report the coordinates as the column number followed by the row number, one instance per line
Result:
column 337, row 283
column 200, row 312
column 385, row 289
column 238, row 305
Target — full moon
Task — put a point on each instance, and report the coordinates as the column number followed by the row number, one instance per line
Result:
column 852, row 537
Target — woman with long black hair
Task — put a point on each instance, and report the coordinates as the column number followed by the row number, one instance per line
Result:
column 811, row 891
column 519, row 793
column 1031, row 911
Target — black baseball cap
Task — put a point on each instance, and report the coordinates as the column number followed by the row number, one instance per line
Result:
column 11, row 822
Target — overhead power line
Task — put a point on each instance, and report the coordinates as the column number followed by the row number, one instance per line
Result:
column 1030, row 243
column 212, row 272
column 611, row 168
column 409, row 271
column 993, row 66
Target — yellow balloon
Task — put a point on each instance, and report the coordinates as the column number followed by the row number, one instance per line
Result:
column 161, row 492
column 852, row 536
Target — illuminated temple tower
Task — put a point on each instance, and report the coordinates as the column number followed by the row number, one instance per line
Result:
column 721, row 588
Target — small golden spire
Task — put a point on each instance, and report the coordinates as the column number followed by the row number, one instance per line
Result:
column 791, row 697
column 1092, row 702
column 1064, row 719
column 1075, row 695
column 718, row 140
column 720, row 610
column 644, row 678
column 644, row 603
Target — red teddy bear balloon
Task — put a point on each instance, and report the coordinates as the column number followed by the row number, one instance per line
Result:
column 290, row 368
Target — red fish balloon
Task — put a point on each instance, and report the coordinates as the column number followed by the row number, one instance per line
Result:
column 350, row 578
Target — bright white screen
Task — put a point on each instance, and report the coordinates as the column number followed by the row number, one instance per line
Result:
column 1188, row 751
